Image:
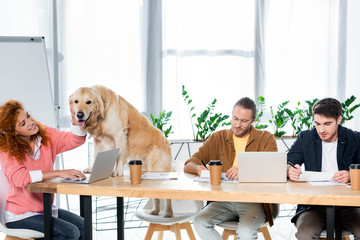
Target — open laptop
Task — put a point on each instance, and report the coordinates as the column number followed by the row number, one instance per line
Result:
column 102, row 168
column 262, row 166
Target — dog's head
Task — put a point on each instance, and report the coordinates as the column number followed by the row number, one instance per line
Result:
column 87, row 106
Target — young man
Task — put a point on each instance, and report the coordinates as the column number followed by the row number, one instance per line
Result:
column 224, row 145
column 327, row 148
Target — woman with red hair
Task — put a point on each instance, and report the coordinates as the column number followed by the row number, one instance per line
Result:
column 28, row 151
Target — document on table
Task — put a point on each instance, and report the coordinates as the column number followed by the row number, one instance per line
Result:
column 310, row 176
column 329, row 183
column 318, row 178
column 160, row 175
column 205, row 177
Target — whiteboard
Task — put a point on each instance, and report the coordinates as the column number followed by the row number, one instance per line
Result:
column 24, row 76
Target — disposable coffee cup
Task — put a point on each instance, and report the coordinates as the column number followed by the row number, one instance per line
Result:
column 135, row 171
column 215, row 172
column 355, row 176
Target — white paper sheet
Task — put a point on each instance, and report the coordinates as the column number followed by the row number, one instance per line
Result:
column 310, row 176
column 205, row 177
column 328, row 183
column 160, row 175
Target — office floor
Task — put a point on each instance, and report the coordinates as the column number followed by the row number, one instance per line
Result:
column 282, row 230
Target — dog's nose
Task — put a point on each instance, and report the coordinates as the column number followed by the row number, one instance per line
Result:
column 80, row 115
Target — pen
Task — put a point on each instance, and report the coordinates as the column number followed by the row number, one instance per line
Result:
column 292, row 164
column 203, row 163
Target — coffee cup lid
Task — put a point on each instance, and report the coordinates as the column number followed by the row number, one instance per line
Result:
column 215, row 162
column 135, row 162
column 354, row 166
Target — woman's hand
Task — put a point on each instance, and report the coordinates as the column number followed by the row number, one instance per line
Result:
column 68, row 173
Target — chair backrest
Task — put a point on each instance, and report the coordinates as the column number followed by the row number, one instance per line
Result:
column 178, row 206
column 21, row 233
column 5, row 190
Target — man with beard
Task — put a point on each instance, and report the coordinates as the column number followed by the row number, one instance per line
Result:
column 329, row 147
column 224, row 145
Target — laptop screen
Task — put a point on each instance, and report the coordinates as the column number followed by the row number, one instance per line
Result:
column 262, row 166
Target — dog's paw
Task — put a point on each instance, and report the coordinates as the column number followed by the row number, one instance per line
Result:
column 154, row 212
column 116, row 174
column 169, row 215
column 87, row 170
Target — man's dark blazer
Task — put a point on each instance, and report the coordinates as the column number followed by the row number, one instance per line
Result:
column 307, row 150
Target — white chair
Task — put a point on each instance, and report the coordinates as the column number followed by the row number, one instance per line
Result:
column 184, row 211
column 231, row 226
column 12, row 234
column 345, row 235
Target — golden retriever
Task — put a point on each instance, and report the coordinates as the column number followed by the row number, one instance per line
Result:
column 115, row 123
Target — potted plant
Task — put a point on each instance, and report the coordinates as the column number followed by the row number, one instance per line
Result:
column 161, row 120
column 279, row 119
column 260, row 108
column 207, row 122
column 347, row 110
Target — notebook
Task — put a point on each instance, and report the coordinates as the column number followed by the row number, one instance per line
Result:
column 102, row 168
column 262, row 166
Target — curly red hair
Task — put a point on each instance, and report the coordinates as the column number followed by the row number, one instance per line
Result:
column 11, row 143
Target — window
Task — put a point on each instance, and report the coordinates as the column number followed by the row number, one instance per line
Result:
column 208, row 46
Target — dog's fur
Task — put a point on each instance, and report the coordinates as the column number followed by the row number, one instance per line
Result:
column 115, row 123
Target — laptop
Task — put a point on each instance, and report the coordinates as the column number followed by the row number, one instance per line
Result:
column 262, row 167
column 102, row 168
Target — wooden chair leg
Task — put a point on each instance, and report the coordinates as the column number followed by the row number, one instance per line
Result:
column 189, row 230
column 7, row 237
column 160, row 235
column 265, row 232
column 150, row 231
column 343, row 238
column 227, row 233
column 176, row 229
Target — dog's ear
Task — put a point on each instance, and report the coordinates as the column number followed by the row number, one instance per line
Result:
column 70, row 98
column 100, row 105
column 71, row 102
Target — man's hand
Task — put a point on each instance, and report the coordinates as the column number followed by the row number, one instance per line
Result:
column 294, row 172
column 194, row 168
column 342, row 176
column 232, row 173
column 200, row 168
